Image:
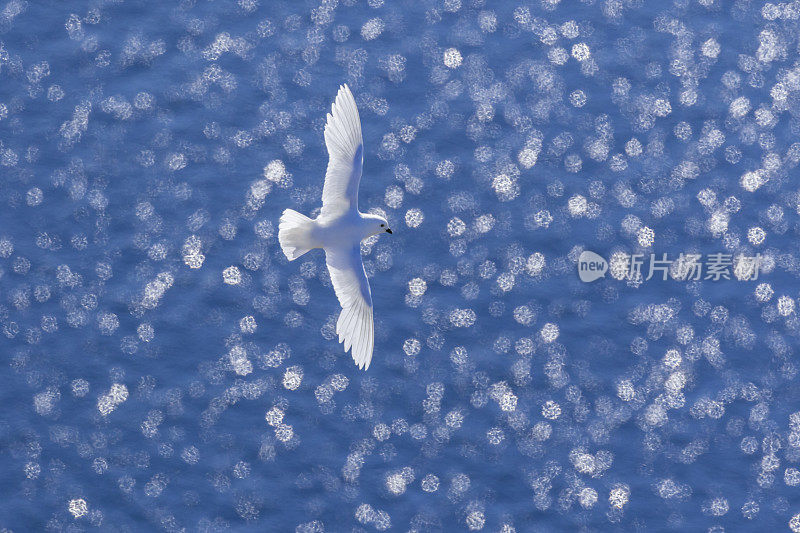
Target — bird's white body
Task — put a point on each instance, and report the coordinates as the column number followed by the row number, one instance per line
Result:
column 340, row 228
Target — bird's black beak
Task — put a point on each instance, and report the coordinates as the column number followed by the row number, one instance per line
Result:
column 389, row 231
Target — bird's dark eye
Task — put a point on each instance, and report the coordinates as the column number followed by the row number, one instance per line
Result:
column 381, row 225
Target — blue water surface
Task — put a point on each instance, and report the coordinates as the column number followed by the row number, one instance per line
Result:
column 166, row 368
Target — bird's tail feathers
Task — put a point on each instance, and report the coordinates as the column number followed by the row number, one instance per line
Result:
column 294, row 234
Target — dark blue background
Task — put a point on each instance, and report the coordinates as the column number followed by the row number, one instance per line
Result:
column 96, row 188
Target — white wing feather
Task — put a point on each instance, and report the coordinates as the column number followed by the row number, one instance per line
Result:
column 354, row 327
column 345, row 155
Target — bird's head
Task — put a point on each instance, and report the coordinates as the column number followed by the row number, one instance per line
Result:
column 378, row 224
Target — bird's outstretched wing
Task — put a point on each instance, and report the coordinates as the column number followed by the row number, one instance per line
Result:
column 354, row 327
column 345, row 155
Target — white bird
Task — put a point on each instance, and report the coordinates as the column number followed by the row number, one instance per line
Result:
column 340, row 228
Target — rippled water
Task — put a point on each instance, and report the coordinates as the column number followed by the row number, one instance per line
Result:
column 165, row 367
